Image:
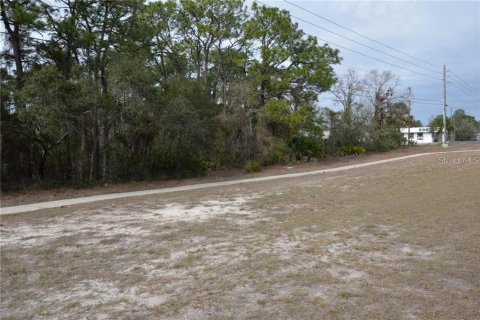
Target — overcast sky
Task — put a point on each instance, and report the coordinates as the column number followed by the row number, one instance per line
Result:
column 438, row 32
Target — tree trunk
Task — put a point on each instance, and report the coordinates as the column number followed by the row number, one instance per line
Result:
column 80, row 160
column 14, row 36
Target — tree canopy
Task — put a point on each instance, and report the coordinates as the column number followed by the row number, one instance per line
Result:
column 117, row 90
column 112, row 90
column 461, row 126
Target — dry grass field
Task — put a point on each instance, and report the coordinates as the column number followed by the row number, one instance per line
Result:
column 394, row 241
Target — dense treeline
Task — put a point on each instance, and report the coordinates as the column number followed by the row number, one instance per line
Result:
column 123, row 89
column 111, row 90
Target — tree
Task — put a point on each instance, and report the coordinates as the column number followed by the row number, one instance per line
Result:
column 100, row 27
column 415, row 123
column 131, row 90
column 289, row 73
column 379, row 88
column 397, row 115
column 351, row 133
column 206, row 25
column 347, row 127
column 464, row 126
column 20, row 18
column 437, row 122
column 346, row 92
column 369, row 117
column 44, row 121
column 291, row 65
column 157, row 25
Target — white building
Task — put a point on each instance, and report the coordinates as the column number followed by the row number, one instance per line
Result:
column 422, row 135
column 326, row 135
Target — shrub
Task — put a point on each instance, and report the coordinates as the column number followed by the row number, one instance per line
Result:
column 276, row 153
column 385, row 138
column 252, row 166
column 307, row 146
column 358, row 150
column 349, row 149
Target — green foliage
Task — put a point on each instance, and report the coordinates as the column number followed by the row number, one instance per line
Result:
column 398, row 115
column 252, row 166
column 51, row 118
column 465, row 126
column 465, row 130
column 384, row 138
column 437, row 122
column 374, row 125
column 351, row 150
column 277, row 152
column 131, row 90
column 290, row 63
column 300, row 127
column 348, row 130
column 306, row 146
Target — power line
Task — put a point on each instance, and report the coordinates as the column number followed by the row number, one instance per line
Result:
column 465, row 86
column 464, row 100
column 462, row 88
column 461, row 80
column 362, row 35
column 428, row 103
column 372, row 48
column 426, row 100
column 357, row 52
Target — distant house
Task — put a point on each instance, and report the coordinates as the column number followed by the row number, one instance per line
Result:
column 326, row 135
column 422, row 135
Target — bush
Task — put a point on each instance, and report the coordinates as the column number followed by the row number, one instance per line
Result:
column 385, row 138
column 276, row 153
column 349, row 150
column 252, row 166
column 307, row 146
column 358, row 150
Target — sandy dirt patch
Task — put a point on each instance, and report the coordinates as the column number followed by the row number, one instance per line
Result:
column 398, row 240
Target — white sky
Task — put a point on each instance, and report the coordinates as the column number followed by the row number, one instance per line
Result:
column 439, row 32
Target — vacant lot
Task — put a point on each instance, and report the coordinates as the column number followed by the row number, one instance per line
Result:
column 393, row 241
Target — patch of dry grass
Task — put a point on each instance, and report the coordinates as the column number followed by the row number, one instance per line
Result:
column 398, row 240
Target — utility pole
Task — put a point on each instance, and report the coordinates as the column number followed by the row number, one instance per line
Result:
column 444, row 136
column 409, row 113
column 453, row 124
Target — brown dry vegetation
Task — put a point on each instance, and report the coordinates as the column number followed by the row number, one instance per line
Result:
column 394, row 241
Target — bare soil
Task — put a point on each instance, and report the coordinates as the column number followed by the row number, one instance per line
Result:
column 395, row 241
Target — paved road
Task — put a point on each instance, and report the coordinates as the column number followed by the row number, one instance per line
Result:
column 68, row 202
